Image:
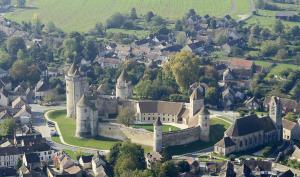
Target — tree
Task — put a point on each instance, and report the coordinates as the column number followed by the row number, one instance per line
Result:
column 168, row 169
column 7, row 126
column 114, row 153
column 295, row 92
column 5, row 61
column 268, row 48
column 19, row 70
column 70, row 48
column 184, row 67
column 181, row 38
column 211, row 96
column 49, row 98
column 166, row 155
column 178, row 25
column 278, row 27
column 281, row 54
column 115, row 21
column 291, row 117
column 90, row 49
column 21, row 3
column 14, row 44
column 133, row 14
column 126, row 116
column 191, row 13
column 130, row 158
column 183, row 166
column 149, row 16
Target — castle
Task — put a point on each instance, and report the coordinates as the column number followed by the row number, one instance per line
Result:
column 90, row 107
column 252, row 131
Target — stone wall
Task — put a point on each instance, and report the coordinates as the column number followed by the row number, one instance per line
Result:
column 181, row 137
column 144, row 137
column 120, row 132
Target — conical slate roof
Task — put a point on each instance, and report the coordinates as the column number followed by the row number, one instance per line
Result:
column 204, row 111
column 122, row 76
column 196, row 95
column 157, row 122
column 83, row 102
column 72, row 69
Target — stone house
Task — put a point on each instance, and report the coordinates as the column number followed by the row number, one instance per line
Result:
column 288, row 105
column 4, row 98
column 3, row 73
column 18, row 103
column 152, row 158
column 85, row 161
column 42, row 89
column 252, row 104
column 9, row 156
column 31, row 161
column 291, row 130
column 242, row 69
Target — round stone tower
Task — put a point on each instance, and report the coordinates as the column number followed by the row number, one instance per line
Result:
column 123, row 87
column 83, row 110
column 76, row 85
column 203, row 122
column 157, row 136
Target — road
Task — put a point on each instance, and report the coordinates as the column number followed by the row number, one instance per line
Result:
column 39, row 123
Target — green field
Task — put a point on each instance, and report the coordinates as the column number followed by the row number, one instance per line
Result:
column 278, row 68
column 67, row 128
column 81, row 15
column 149, row 127
column 217, row 129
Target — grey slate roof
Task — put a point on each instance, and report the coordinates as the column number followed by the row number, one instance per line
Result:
column 162, row 107
column 250, row 124
column 225, row 142
column 32, row 158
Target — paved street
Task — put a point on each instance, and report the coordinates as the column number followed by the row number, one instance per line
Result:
column 39, row 123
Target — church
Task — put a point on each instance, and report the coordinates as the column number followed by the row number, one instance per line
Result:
column 90, row 106
column 251, row 131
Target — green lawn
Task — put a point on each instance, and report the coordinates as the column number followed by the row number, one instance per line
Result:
column 149, row 127
column 67, row 128
column 278, row 68
column 81, row 15
column 72, row 154
column 217, row 129
column 266, row 18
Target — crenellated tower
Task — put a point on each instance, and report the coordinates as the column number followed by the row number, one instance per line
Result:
column 157, row 139
column 204, row 123
column 86, row 118
column 76, row 85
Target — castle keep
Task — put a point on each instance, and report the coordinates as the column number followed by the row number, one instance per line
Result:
column 90, row 107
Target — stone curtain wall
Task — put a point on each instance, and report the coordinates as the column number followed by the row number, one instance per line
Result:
column 181, row 137
column 144, row 137
column 120, row 132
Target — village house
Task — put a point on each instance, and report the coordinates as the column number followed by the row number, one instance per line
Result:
column 242, row 69
column 42, row 89
column 288, row 105
column 288, row 16
column 9, row 156
column 63, row 165
column 291, row 130
column 152, row 158
column 252, row 104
